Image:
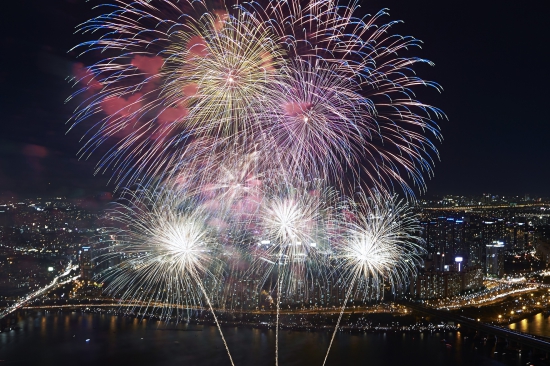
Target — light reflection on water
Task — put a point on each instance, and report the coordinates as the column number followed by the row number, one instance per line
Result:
column 60, row 339
column 538, row 324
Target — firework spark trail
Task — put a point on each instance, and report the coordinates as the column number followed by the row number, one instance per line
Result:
column 215, row 317
column 287, row 223
column 348, row 294
column 380, row 245
column 167, row 247
column 181, row 70
column 279, row 279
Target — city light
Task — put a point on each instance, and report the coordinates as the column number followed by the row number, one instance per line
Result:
column 266, row 167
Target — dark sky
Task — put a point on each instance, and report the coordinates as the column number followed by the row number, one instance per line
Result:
column 491, row 59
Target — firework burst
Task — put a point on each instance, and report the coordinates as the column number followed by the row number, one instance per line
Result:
column 221, row 110
column 223, row 74
column 380, row 245
column 169, row 255
column 318, row 126
column 326, row 93
column 179, row 72
column 368, row 66
column 292, row 225
column 292, row 242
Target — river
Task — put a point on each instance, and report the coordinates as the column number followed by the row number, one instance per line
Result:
column 100, row 339
column 538, row 324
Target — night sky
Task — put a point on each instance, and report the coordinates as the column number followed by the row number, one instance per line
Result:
column 491, row 57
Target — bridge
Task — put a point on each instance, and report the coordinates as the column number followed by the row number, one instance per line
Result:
column 143, row 305
column 483, row 207
column 58, row 281
column 528, row 340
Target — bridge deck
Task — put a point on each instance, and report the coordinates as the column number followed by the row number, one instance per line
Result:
column 528, row 340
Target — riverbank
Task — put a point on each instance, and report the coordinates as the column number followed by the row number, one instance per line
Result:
column 356, row 322
column 68, row 338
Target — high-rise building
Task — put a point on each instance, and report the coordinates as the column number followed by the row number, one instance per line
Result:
column 475, row 253
column 493, row 230
column 436, row 285
column 86, row 264
column 446, row 235
column 495, row 259
column 441, row 284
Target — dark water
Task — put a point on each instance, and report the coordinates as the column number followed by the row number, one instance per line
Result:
column 60, row 339
column 538, row 324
